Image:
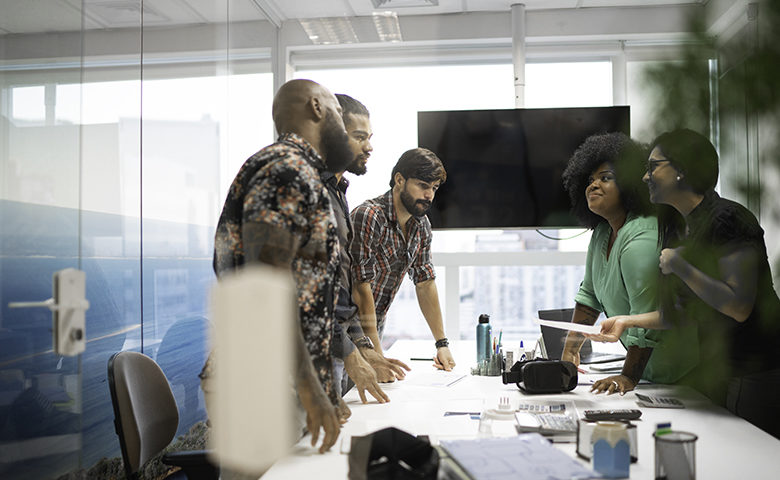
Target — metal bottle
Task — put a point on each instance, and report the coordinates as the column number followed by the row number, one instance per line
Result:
column 483, row 338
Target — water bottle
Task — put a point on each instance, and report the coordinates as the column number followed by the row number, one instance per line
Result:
column 483, row 338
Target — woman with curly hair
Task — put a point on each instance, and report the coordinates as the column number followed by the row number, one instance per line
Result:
column 604, row 182
column 716, row 275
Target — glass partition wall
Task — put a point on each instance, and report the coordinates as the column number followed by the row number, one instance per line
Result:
column 122, row 124
column 120, row 130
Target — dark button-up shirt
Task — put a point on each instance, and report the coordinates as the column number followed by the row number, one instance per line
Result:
column 280, row 185
column 346, row 313
column 382, row 255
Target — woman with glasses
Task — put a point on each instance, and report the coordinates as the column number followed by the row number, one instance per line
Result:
column 715, row 272
column 603, row 179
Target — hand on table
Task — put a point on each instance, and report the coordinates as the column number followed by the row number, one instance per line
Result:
column 344, row 411
column 387, row 369
column 364, row 377
column 443, row 359
column 614, row 384
column 320, row 413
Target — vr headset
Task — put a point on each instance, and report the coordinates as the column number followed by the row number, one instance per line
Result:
column 542, row 376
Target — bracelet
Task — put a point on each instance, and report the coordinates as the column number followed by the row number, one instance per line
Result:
column 364, row 342
column 442, row 343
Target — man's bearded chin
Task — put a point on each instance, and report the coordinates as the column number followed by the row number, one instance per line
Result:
column 358, row 167
column 335, row 144
column 417, row 208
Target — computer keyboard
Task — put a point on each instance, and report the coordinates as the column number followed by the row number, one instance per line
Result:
column 556, row 422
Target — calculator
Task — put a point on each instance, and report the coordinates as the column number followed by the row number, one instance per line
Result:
column 658, row 402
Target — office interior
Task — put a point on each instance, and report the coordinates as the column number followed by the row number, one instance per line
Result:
column 123, row 122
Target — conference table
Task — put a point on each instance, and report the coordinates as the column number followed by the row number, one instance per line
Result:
column 728, row 447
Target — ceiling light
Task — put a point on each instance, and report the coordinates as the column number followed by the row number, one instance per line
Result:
column 387, row 27
column 404, row 3
column 329, row 31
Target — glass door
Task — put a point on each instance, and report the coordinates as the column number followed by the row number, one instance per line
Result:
column 41, row 399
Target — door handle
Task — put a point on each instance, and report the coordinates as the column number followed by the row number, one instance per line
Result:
column 68, row 306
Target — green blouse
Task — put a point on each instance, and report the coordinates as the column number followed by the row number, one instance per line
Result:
column 625, row 283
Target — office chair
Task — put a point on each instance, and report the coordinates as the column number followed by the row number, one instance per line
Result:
column 146, row 417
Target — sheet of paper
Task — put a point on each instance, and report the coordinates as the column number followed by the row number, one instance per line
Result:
column 575, row 327
column 431, row 378
column 526, row 456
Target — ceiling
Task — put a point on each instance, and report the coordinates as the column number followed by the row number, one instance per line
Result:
column 39, row 16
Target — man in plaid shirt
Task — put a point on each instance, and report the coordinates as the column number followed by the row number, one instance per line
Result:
column 392, row 237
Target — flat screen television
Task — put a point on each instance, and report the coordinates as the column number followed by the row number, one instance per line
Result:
column 504, row 166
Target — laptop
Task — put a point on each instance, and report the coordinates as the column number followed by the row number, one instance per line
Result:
column 553, row 339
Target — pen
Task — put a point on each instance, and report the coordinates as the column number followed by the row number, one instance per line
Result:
column 447, row 414
column 419, row 359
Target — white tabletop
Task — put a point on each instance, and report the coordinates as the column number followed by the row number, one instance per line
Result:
column 728, row 447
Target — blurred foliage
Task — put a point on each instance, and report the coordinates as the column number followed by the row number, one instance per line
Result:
column 738, row 104
column 745, row 113
column 752, row 58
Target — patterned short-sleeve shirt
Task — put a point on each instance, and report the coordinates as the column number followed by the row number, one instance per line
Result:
column 381, row 255
column 280, row 185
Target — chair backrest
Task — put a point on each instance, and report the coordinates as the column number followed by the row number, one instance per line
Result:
column 145, row 413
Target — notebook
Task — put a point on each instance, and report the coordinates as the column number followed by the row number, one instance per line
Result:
column 553, row 339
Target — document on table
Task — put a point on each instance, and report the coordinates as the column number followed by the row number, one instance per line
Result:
column 431, row 378
column 608, row 367
column 526, row 456
column 575, row 327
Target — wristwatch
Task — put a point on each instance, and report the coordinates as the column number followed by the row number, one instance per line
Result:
column 442, row 343
column 364, row 342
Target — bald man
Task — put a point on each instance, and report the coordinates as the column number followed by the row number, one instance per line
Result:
column 278, row 212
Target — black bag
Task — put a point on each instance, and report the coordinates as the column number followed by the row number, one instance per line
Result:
column 542, row 376
column 392, row 454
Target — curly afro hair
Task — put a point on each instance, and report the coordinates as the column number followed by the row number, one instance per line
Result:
column 628, row 159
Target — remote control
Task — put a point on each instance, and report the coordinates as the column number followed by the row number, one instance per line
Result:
column 628, row 414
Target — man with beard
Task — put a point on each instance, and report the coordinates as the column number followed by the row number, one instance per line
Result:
column 277, row 213
column 354, row 351
column 393, row 237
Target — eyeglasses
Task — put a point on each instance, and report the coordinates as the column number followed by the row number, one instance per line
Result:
column 652, row 165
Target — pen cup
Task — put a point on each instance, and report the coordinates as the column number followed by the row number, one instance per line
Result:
column 585, row 439
column 611, row 447
column 675, row 455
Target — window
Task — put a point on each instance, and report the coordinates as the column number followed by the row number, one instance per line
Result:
column 509, row 293
column 573, row 84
